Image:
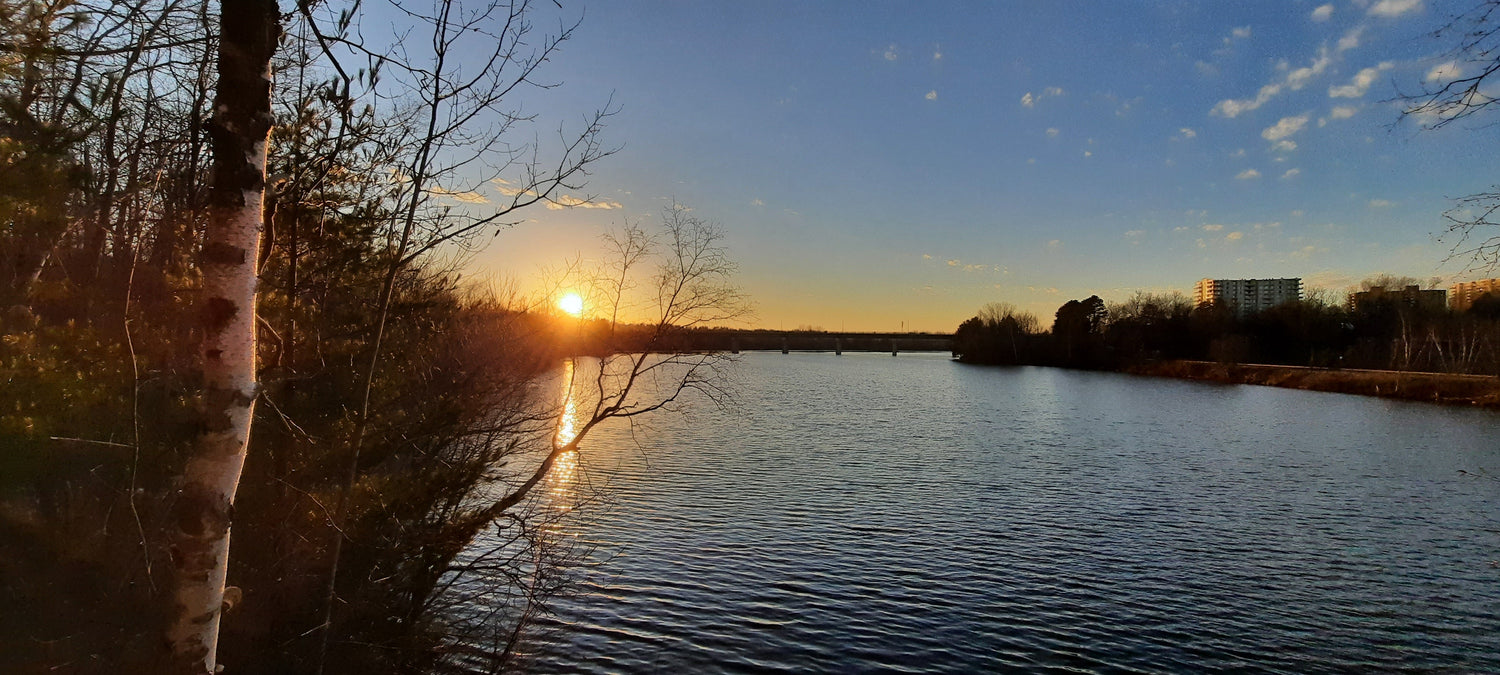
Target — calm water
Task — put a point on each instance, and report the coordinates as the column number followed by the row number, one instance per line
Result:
column 866, row 513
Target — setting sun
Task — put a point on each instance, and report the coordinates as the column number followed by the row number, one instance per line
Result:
column 571, row 303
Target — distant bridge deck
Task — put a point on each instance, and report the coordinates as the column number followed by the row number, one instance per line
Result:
column 805, row 341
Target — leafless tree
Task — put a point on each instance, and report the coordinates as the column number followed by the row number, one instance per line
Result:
column 1466, row 88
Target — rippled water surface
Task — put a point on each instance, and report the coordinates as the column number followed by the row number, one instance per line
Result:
column 866, row 513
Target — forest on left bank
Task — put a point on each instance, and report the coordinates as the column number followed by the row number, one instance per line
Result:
column 398, row 411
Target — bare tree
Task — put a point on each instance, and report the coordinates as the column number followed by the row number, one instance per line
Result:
column 650, row 287
column 1463, row 88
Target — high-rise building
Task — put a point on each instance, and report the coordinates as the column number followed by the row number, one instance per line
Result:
column 1462, row 296
column 1247, row 296
column 1411, row 296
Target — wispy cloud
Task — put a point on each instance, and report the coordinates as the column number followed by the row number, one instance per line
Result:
column 931, row 95
column 1322, row 13
column 1444, row 72
column 1360, row 83
column 1293, row 79
column 1212, row 227
column 1234, row 236
column 1029, row 100
column 571, row 202
column 1381, row 203
column 1248, row 174
column 465, row 196
column 1185, row 134
column 1290, row 173
column 1052, row 132
column 891, row 53
column 1279, row 134
column 1350, row 40
column 1342, row 112
column 1394, row 8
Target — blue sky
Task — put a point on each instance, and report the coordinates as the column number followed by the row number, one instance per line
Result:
column 878, row 165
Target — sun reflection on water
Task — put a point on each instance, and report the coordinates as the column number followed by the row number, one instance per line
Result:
column 564, row 474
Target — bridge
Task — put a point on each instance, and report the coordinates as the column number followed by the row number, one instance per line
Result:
column 838, row 343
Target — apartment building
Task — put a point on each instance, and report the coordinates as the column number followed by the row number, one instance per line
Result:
column 1462, row 296
column 1247, row 296
column 1411, row 296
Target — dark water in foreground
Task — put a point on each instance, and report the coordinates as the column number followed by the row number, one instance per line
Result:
column 866, row 513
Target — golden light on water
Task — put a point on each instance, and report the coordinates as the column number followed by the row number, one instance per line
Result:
column 565, row 470
column 572, row 303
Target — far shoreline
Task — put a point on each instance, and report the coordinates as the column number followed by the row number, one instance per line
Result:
column 1481, row 391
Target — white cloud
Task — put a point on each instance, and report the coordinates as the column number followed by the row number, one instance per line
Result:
column 1444, row 72
column 1237, row 153
column 931, row 95
column 1381, row 203
column 937, row 53
column 1235, row 236
column 569, row 202
column 1293, row 80
column 1052, row 132
column 1322, row 13
column 757, row 202
column 1212, row 228
column 1030, row 99
column 1299, row 78
column 891, row 54
column 1241, row 32
column 1350, row 40
column 1361, row 82
column 1342, row 112
column 1185, row 134
column 1284, row 145
column 500, row 184
column 1248, row 174
column 1284, row 128
column 1134, row 233
column 1290, row 173
column 467, row 196
column 1055, row 244
column 1394, row 8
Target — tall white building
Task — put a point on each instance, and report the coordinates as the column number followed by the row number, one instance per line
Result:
column 1247, row 296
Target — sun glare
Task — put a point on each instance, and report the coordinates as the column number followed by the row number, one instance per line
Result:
column 571, row 303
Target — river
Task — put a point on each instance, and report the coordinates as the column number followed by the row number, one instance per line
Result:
column 870, row 513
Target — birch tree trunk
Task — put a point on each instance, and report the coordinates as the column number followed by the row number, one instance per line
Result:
column 249, row 31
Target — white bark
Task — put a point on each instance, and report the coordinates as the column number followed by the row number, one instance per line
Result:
column 249, row 32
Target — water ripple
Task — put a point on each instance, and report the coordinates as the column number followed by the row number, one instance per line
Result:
column 911, row 515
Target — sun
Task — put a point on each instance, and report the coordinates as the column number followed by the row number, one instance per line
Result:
column 571, row 303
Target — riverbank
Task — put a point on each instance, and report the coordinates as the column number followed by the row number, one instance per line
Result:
column 1447, row 389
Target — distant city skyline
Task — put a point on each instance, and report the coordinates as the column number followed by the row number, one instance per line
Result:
column 888, row 163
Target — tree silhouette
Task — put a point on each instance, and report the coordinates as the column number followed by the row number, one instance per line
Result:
column 1461, row 91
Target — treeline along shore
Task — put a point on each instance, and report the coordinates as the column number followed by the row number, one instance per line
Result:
column 1384, row 347
column 596, row 336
